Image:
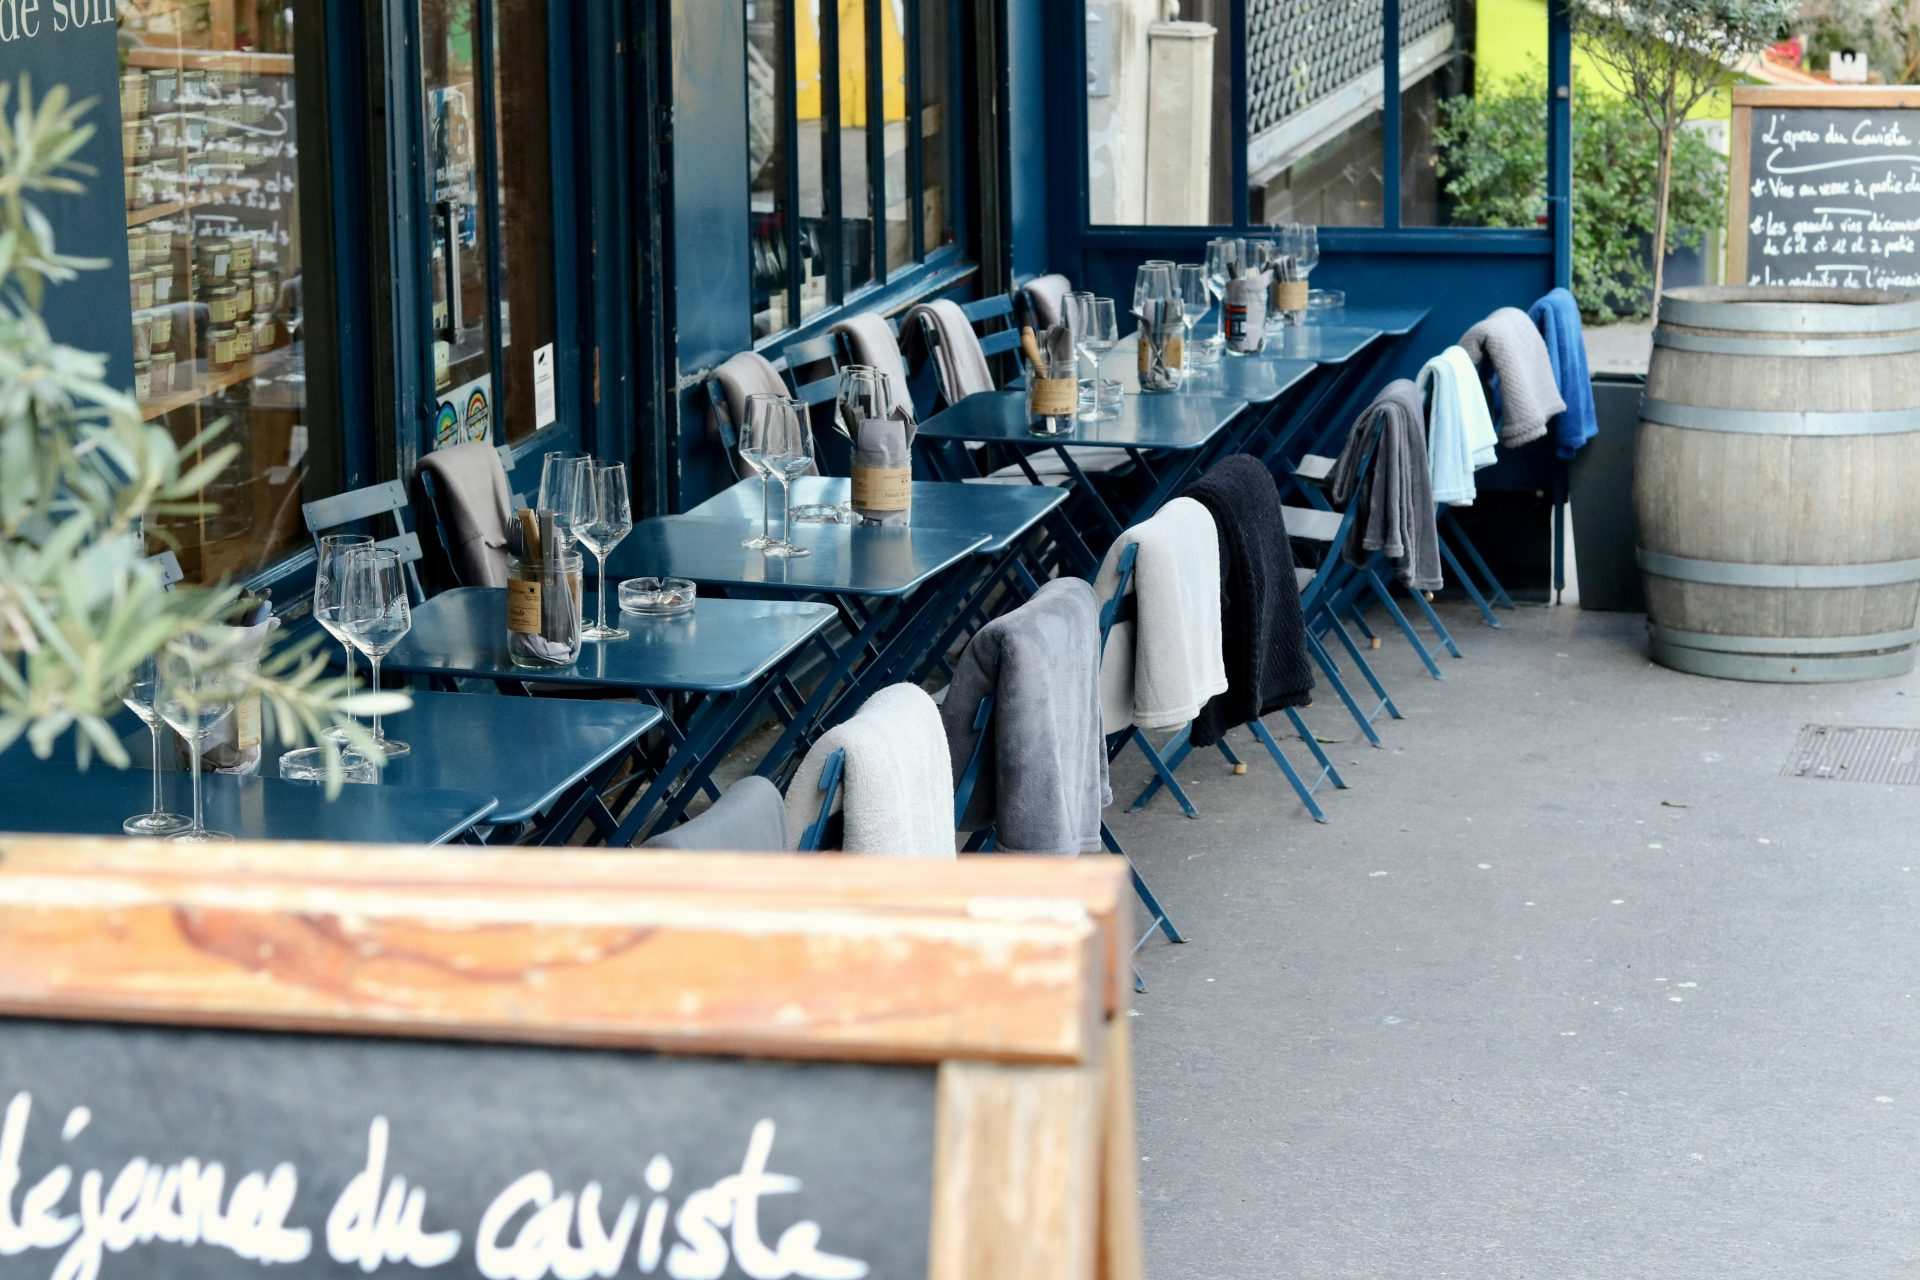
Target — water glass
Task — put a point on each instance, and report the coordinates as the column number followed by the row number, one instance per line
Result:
column 561, row 475
column 777, row 433
column 1190, row 285
column 1100, row 334
column 196, row 691
column 329, row 596
column 602, row 518
column 1223, row 259
column 378, row 616
column 141, row 698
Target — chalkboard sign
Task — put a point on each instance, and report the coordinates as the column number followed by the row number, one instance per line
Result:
column 1825, row 187
column 422, row 1158
column 407, row 1063
column 74, row 45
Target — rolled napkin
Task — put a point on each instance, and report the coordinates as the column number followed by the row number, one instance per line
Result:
column 883, row 469
column 1162, row 355
column 1246, row 312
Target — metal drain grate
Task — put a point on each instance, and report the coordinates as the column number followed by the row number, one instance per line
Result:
column 1855, row 753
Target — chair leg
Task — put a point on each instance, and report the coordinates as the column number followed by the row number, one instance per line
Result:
column 1366, row 669
column 1313, row 745
column 1433, row 620
column 1501, row 600
column 1160, row 768
column 1179, row 747
column 1226, row 750
column 1161, row 920
column 1294, row 780
column 1332, row 673
column 1468, row 585
column 1385, row 597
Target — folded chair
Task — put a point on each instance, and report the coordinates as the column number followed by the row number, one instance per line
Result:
column 1320, row 523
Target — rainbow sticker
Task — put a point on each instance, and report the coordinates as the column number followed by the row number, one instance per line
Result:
column 446, row 426
column 479, row 421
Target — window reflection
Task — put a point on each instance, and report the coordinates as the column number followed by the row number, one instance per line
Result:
column 210, row 152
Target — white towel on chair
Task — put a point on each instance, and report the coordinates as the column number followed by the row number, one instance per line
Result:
column 1159, row 670
column 896, row 788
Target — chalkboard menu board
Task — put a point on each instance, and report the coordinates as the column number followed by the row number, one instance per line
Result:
column 220, row 1151
column 409, row 1064
column 1825, row 187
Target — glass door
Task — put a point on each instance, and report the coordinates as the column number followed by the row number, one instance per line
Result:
column 488, row 131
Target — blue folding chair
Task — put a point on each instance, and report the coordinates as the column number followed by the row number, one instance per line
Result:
column 983, row 840
column 388, row 499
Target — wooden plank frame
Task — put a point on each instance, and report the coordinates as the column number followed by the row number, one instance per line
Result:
column 1740, row 141
column 1007, row 975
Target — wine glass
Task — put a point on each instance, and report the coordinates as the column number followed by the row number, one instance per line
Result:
column 776, row 431
column 762, row 540
column 329, row 597
column 1223, row 256
column 141, row 698
column 1100, row 334
column 1307, row 257
column 378, row 616
column 602, row 518
column 196, row 692
column 1196, row 298
column 560, row 480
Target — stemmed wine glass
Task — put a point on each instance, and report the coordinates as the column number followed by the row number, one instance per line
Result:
column 560, row 480
column 196, row 692
column 1308, row 255
column 1223, row 256
column 864, row 392
column 761, row 540
column 776, row 432
column 1099, row 333
column 602, row 518
column 329, row 595
column 141, row 698
column 378, row 616
column 1196, row 298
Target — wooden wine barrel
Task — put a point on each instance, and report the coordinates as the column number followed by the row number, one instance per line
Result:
column 1777, row 483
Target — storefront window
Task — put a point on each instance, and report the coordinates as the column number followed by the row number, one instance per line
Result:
column 936, row 120
column 216, row 270
column 1158, row 126
column 1473, row 118
column 1316, row 87
column 493, row 306
column 814, row 187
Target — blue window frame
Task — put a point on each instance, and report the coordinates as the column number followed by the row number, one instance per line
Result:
column 852, row 157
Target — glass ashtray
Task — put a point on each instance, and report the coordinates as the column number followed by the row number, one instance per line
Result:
column 1325, row 303
column 309, row 764
column 657, row 597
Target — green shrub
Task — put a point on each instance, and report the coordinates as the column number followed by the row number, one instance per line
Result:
column 1492, row 163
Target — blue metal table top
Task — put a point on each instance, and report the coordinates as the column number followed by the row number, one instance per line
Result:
column 1004, row 515
column 1320, row 343
column 525, row 752
column 722, row 646
column 1172, row 421
column 1255, row 381
column 1395, row 322
column 51, row 797
column 845, row 561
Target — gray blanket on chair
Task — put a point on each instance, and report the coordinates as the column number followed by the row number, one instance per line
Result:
column 1043, row 774
column 1507, row 345
column 749, row 817
column 1396, row 513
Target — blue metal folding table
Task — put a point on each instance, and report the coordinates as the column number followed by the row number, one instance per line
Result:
column 52, row 797
column 1011, row 515
column 710, row 671
column 1185, row 426
column 545, row 760
column 893, row 586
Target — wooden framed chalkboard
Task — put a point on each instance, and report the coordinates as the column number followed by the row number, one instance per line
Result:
column 407, row 1063
column 1824, row 186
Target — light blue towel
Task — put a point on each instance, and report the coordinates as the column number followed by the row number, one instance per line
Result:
column 1460, row 435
